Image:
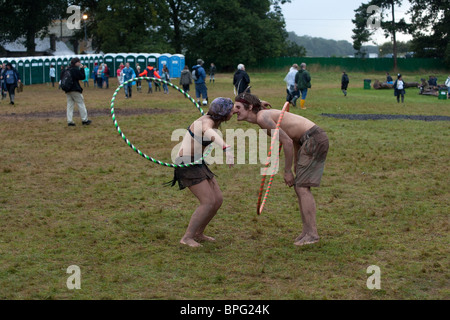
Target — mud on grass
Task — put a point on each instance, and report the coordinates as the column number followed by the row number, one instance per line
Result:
column 81, row 196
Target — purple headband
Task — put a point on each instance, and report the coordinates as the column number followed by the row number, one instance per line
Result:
column 221, row 107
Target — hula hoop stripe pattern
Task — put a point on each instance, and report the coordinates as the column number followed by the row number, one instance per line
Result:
column 260, row 205
column 128, row 142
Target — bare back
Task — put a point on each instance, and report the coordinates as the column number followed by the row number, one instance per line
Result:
column 293, row 125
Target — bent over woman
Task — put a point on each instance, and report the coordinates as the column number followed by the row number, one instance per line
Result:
column 198, row 178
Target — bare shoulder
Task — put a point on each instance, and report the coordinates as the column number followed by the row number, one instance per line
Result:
column 265, row 118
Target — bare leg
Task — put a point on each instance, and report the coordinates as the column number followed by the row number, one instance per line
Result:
column 307, row 205
column 202, row 215
column 217, row 204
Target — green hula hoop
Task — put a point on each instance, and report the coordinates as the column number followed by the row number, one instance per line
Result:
column 128, row 142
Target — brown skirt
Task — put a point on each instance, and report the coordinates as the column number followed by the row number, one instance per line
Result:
column 192, row 175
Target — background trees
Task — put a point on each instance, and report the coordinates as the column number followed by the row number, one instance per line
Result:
column 28, row 19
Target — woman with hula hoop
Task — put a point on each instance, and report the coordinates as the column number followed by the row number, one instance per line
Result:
column 303, row 140
column 198, row 178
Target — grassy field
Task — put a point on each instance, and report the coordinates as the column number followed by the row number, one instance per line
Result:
column 81, row 196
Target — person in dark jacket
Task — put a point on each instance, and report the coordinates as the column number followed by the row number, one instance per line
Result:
column 344, row 83
column 11, row 78
column 186, row 79
column 303, row 83
column 74, row 94
column 241, row 80
column 200, row 85
column 151, row 73
column 212, row 73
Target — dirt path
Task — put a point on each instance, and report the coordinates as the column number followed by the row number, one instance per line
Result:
column 386, row 117
column 92, row 113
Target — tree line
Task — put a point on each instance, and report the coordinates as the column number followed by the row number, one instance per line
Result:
column 429, row 26
column 227, row 32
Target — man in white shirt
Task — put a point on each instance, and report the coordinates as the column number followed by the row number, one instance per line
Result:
column 53, row 75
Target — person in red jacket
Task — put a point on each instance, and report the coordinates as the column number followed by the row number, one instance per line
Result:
column 151, row 73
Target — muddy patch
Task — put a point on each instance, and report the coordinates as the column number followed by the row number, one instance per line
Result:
column 365, row 117
column 92, row 113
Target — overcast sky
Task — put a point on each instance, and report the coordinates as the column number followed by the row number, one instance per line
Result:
column 329, row 19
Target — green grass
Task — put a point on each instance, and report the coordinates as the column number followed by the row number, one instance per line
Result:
column 81, row 196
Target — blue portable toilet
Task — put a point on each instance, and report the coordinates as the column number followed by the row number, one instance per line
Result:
column 164, row 59
column 175, row 61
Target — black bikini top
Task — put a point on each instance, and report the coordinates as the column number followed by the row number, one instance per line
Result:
column 198, row 139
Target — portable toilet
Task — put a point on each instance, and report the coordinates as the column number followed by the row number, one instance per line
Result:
column 20, row 68
column 175, row 61
column 142, row 60
column 36, row 71
column 111, row 62
column 164, row 59
column 66, row 61
column 13, row 62
column 119, row 59
column 153, row 59
column 131, row 59
column 91, row 63
column 27, row 72
column 46, row 69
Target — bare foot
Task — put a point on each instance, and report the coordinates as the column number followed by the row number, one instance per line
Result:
column 307, row 239
column 300, row 237
column 202, row 237
column 190, row 243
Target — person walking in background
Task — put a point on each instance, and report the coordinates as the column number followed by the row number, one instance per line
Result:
column 291, row 96
column 3, row 83
column 399, row 88
column 150, row 72
column 186, row 79
column 241, row 80
column 389, row 79
column 303, row 83
column 139, row 82
column 63, row 68
column 119, row 74
column 128, row 74
column 96, row 67
column 100, row 77
column 87, row 73
column 52, row 74
column 212, row 73
column 200, row 86
column 75, row 93
column 106, row 75
column 157, row 83
column 11, row 78
column 165, row 76
column 344, row 83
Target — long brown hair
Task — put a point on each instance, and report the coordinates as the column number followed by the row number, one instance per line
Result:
column 248, row 99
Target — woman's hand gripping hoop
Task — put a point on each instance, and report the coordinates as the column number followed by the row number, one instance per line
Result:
column 172, row 165
column 260, row 205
